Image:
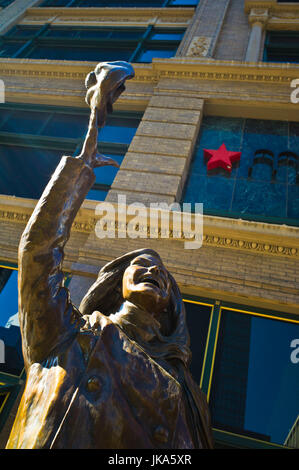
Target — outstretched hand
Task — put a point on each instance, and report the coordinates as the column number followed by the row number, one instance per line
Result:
column 104, row 85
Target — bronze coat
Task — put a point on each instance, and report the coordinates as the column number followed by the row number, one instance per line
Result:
column 88, row 384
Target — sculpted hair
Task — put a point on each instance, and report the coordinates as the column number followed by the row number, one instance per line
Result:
column 105, row 295
column 170, row 347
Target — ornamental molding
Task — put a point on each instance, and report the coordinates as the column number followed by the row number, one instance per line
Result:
column 113, row 16
column 199, row 46
column 272, row 6
column 258, row 15
column 182, row 68
column 277, row 16
column 237, row 234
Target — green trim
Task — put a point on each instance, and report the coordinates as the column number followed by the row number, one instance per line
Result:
column 237, row 441
column 210, row 350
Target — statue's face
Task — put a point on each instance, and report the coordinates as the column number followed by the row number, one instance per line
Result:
column 146, row 284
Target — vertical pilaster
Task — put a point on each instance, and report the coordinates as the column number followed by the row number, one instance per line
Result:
column 258, row 19
column 14, row 12
column 156, row 165
column 202, row 34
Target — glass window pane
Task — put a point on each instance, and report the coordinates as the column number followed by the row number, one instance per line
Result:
column 151, row 53
column 97, row 195
column 9, row 49
column 184, row 3
column 72, row 126
column 61, row 33
column 119, row 130
column 198, row 320
column 134, row 34
column 24, row 122
column 106, row 174
column 121, row 3
column 25, row 171
column 55, row 3
column 167, row 35
column 4, row 114
column 59, row 52
column 255, row 388
column 9, row 322
column 22, row 31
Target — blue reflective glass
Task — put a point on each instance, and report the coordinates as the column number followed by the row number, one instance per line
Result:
column 25, row 171
column 60, row 52
column 96, row 195
column 255, row 381
column 167, row 36
column 151, row 53
column 72, row 126
column 119, row 130
column 9, row 322
column 9, row 49
column 55, row 3
column 134, row 34
column 8, row 296
column 24, row 122
column 259, row 185
column 61, row 33
column 120, row 3
column 184, row 3
column 198, row 320
column 4, row 114
column 22, row 31
column 106, row 174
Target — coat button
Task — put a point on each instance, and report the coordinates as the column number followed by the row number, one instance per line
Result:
column 161, row 434
column 93, row 384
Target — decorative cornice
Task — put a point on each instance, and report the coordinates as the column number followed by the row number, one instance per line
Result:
column 273, row 15
column 237, row 234
column 114, row 16
column 258, row 15
column 177, row 67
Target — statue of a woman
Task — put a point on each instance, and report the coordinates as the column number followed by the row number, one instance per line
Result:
column 113, row 374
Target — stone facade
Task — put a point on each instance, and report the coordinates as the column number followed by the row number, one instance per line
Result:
column 249, row 263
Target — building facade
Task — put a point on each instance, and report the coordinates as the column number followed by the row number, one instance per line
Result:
column 209, row 74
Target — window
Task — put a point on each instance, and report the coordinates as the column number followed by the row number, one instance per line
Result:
column 120, row 3
column 263, row 185
column 281, row 46
column 33, row 140
column 246, row 362
column 5, row 3
column 12, row 372
column 90, row 44
column 9, row 322
column 198, row 317
column 254, row 389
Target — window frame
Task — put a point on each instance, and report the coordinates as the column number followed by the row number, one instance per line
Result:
column 66, row 145
column 280, row 48
column 222, row 437
column 29, row 43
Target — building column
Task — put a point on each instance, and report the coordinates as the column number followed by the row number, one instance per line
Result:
column 156, row 165
column 203, row 32
column 13, row 13
column 258, row 20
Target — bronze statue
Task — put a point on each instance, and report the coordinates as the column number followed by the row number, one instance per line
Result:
column 113, row 374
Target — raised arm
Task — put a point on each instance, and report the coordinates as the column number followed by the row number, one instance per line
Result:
column 47, row 316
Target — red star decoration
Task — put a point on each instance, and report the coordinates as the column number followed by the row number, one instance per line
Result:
column 221, row 158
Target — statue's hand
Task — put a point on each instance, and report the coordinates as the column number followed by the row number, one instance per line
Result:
column 101, row 160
